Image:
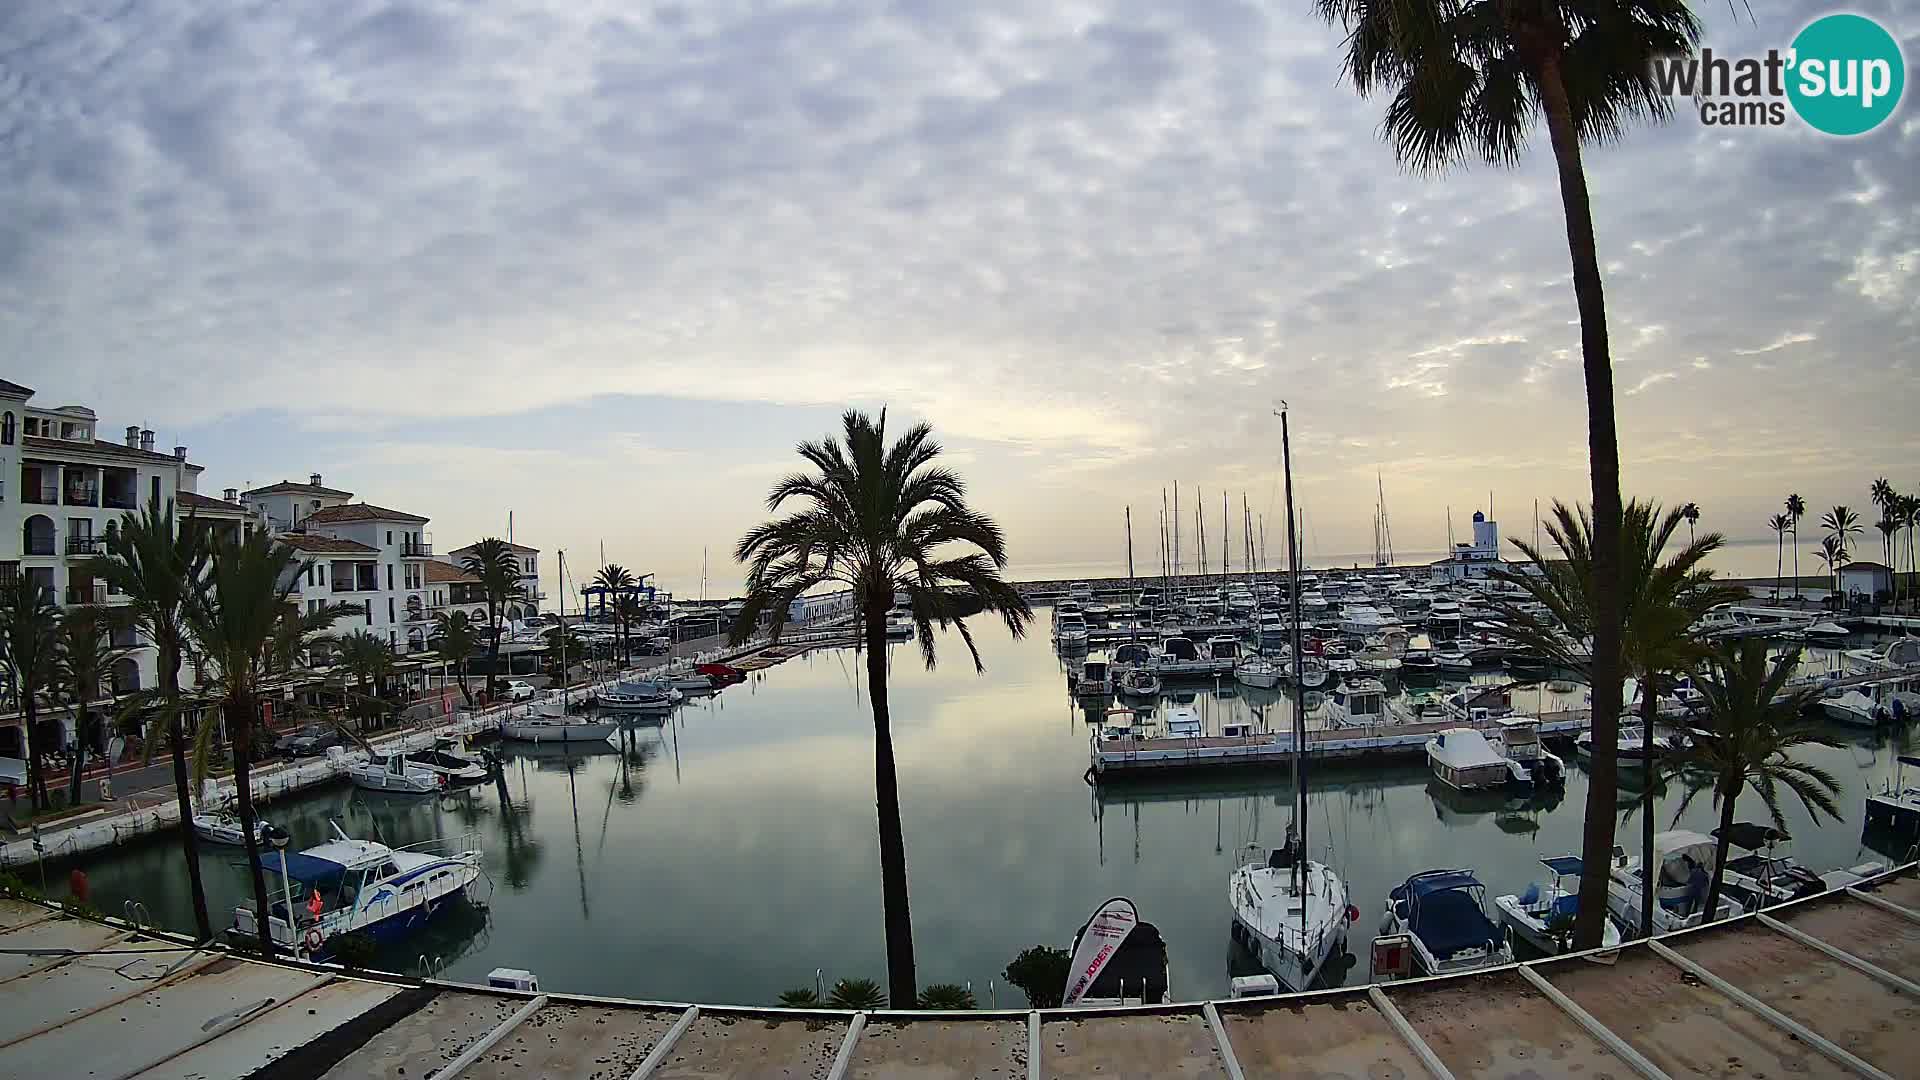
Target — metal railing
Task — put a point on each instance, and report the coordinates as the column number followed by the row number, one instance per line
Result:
column 45, row 496
column 116, row 501
column 95, row 593
column 85, row 545
column 83, row 495
column 420, row 548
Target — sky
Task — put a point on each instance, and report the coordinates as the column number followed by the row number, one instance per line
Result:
column 602, row 264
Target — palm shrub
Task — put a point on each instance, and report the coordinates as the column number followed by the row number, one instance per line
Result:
column 856, row 994
column 881, row 519
column 493, row 562
column 951, row 997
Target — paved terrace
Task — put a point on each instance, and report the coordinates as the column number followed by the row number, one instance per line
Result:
column 1823, row 987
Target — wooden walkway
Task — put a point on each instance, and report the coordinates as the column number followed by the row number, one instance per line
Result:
column 1821, row 987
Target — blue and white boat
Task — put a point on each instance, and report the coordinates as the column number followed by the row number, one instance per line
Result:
column 1540, row 915
column 347, row 886
column 1443, row 913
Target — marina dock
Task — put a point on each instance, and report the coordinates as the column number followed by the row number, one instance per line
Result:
column 1824, row 986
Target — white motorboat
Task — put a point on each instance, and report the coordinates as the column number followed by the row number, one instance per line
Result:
column 1826, row 632
column 1466, row 760
column 1449, row 656
column 1443, row 915
column 1518, row 737
column 1680, row 900
column 1542, row 916
column 1895, row 808
column 393, row 773
column 552, row 729
column 1866, row 706
column 447, row 759
column 900, row 627
column 1182, row 720
column 1095, row 679
column 347, row 885
column 1259, row 672
column 1179, row 656
column 1629, row 744
column 1292, row 914
column 1764, row 876
column 222, row 826
column 1070, row 630
column 1138, row 682
column 1362, row 703
column 1475, row 704
column 1891, row 655
column 638, row 695
column 1224, row 649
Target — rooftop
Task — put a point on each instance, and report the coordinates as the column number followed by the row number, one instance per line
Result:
column 511, row 546
column 14, row 389
column 1822, row 986
column 358, row 512
column 110, row 449
column 288, row 487
column 326, row 545
column 194, row 502
column 440, row 573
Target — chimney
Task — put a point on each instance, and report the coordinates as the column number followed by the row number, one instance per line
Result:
column 133, row 435
column 179, row 453
column 146, row 439
column 232, row 495
column 314, row 479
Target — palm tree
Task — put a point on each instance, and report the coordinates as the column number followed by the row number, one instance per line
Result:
column 1796, row 509
column 1752, row 727
column 628, row 610
column 1909, row 516
column 1661, row 600
column 84, row 659
column 1691, row 512
column 1779, row 523
column 881, row 520
column 457, row 642
column 1841, row 524
column 158, row 567
column 369, row 660
column 616, row 579
column 242, row 624
column 1885, row 498
column 1889, row 529
column 29, row 642
column 1466, row 80
column 498, row 571
column 1832, row 555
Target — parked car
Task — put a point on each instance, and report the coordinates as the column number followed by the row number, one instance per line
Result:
column 309, row 740
column 518, row 690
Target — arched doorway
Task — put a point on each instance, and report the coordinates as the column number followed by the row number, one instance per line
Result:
column 37, row 535
column 126, row 675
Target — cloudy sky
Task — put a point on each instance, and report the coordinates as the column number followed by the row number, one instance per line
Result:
column 603, row 263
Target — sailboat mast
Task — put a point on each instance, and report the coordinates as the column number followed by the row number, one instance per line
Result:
column 562, row 555
column 1299, row 683
column 1176, row 528
column 1132, row 596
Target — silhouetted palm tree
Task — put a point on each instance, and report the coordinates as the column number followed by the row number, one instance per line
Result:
column 157, row 564
column 369, row 660
column 457, row 642
column 493, row 562
column 1779, row 523
column 616, row 579
column 1467, row 81
column 881, row 520
column 627, row 611
column 1691, row 512
column 1796, row 509
column 85, row 656
column 29, row 654
column 1752, row 726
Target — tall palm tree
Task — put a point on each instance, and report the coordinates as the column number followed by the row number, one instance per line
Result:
column 84, row 659
column 457, row 642
column 1466, row 81
column 1796, row 509
column 239, row 623
column 1662, row 597
column 1889, row 529
column 1779, row 523
column 1752, row 727
column 616, row 579
column 1909, row 513
column 1691, row 512
column 158, row 564
column 1832, row 555
column 369, row 659
column 493, row 562
column 29, row 644
column 881, row 519
column 1884, row 498
column 1842, row 525
column 628, row 610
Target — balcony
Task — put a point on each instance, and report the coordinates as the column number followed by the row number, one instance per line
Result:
column 91, row 593
column 417, row 549
column 120, row 500
column 43, row 496
column 82, row 495
column 86, row 545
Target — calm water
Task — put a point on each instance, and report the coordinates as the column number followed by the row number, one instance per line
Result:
column 730, row 853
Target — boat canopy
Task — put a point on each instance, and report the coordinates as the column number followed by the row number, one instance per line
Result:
column 1750, row 836
column 1464, row 748
column 1909, row 759
column 1564, row 865
column 1443, row 910
column 307, row 870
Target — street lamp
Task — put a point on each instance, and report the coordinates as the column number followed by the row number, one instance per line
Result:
column 278, row 838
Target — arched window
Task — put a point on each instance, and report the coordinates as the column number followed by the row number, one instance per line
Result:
column 6, row 429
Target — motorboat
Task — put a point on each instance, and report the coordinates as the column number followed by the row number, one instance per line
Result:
column 1312, row 672
column 1763, row 876
column 638, row 695
column 549, row 729
column 1895, row 809
column 1224, row 649
column 1291, row 913
column 1519, row 739
column 1890, row 655
column 449, row 761
column 351, row 886
column 1679, row 899
column 1629, row 744
column 900, row 628
column 1070, row 630
column 1443, row 915
column 1095, row 680
column 1258, row 672
column 1362, row 703
column 222, row 826
column 1542, row 916
column 393, row 773
column 1466, row 760
column 1449, row 656
column 684, row 677
column 1117, row 958
column 1182, row 720
column 1866, row 706
column 1180, row 656
column 721, row 674
column 1828, row 633
column 1478, row 704
column 1418, row 660
column 1138, row 682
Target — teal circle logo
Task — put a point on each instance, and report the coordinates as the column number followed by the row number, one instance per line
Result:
column 1847, row 74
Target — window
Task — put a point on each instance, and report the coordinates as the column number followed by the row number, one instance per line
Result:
column 392, row 638
column 323, row 573
column 309, row 573
column 390, row 617
column 156, row 490
column 6, row 430
column 389, row 537
column 389, row 566
column 368, row 605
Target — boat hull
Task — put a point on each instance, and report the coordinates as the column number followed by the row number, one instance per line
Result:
column 533, row 732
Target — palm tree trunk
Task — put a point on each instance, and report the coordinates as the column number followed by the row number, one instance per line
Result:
column 79, row 756
column 1729, row 794
column 239, row 710
column 36, row 769
column 182, row 790
column 1603, row 448
column 1779, row 556
column 893, row 845
column 1649, row 707
column 1796, row 560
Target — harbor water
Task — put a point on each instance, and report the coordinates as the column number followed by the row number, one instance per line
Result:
column 728, row 854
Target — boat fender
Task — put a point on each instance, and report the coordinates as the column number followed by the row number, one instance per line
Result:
column 1353, row 914
column 315, row 939
column 1386, row 924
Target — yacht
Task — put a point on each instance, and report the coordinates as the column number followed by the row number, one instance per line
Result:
column 1360, row 620
column 638, row 695
column 1449, row 656
column 1542, row 916
column 1764, row 876
column 1096, row 679
column 1292, row 914
column 1138, row 682
column 1902, row 652
column 394, row 773
column 1466, row 760
column 1360, row 703
column 1677, row 906
column 450, row 762
column 1180, row 656
column 1070, row 630
column 1183, row 720
column 1444, row 917
column 557, row 729
column 1241, row 602
column 347, row 886
column 1258, row 672
column 222, row 826
column 1418, row 660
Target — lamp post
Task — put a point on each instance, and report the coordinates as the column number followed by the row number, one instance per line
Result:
column 278, row 838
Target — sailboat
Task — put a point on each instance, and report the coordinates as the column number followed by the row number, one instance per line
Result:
column 1290, row 912
column 550, row 722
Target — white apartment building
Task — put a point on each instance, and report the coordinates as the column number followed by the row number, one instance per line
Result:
column 529, row 559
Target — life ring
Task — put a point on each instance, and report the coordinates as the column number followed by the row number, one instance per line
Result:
column 315, row 939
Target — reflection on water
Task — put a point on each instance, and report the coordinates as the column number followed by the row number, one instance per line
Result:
column 727, row 852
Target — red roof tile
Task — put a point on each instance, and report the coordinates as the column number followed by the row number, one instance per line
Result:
column 359, row 512
column 327, row 545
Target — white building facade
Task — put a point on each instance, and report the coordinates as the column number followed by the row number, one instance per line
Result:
column 529, row 562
